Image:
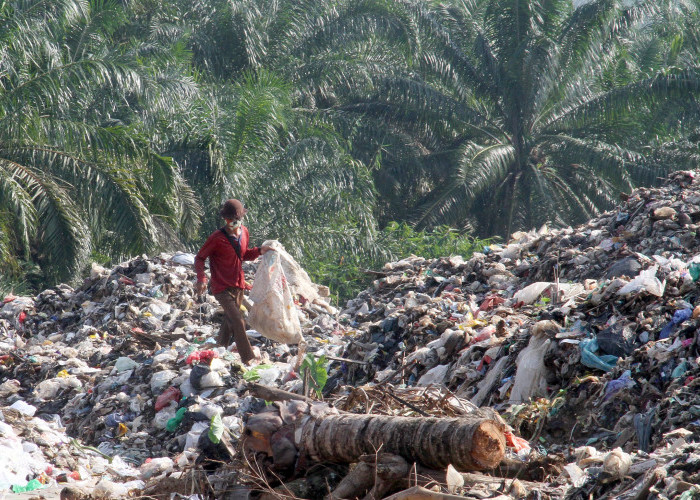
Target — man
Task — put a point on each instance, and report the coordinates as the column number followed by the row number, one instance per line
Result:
column 226, row 249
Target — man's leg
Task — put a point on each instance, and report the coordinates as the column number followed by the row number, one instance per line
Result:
column 232, row 310
column 226, row 331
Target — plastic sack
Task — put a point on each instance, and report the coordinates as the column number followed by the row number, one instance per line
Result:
column 530, row 375
column 531, row 293
column 646, row 281
column 297, row 279
column 186, row 259
column 274, row 313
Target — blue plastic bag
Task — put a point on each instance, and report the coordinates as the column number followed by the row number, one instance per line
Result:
column 679, row 317
column 589, row 347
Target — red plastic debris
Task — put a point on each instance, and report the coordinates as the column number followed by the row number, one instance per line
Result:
column 170, row 394
column 516, row 442
column 490, row 302
column 22, row 316
column 201, row 357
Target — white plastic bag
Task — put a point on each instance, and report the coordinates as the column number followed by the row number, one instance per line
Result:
column 530, row 377
column 433, row 376
column 646, row 281
column 274, row 313
column 160, row 380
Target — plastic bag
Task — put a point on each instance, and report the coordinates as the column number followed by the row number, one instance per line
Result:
column 605, row 362
column 646, row 281
column 170, row 394
column 614, row 386
column 160, row 380
column 274, row 313
column 679, row 317
column 123, row 364
column 24, row 408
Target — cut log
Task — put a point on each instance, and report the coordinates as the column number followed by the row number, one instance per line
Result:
column 471, row 442
column 272, row 394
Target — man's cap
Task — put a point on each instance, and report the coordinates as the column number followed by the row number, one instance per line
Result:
column 232, row 209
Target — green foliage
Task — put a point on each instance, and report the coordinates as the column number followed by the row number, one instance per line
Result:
column 315, row 371
column 216, row 429
column 77, row 167
column 124, row 125
column 500, row 115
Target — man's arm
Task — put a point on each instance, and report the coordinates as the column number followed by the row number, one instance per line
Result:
column 199, row 261
column 251, row 253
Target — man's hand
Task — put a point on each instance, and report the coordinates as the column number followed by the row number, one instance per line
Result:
column 264, row 249
column 200, row 288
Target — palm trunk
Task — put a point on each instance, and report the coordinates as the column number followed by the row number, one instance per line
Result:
column 468, row 443
column 512, row 188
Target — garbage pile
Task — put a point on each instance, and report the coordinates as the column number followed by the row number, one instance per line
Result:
column 112, row 384
column 579, row 344
column 584, row 339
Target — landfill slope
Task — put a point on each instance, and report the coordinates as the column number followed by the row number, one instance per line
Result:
column 584, row 340
column 578, row 336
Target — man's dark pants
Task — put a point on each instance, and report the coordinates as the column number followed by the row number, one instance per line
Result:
column 234, row 324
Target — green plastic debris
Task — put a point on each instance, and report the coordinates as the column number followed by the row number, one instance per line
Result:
column 679, row 370
column 693, row 492
column 175, row 422
column 252, row 375
column 694, row 270
column 32, row 485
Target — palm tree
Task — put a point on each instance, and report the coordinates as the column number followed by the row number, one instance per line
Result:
column 76, row 163
column 508, row 114
column 251, row 135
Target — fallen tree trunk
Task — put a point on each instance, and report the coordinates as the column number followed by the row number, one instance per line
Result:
column 273, row 394
column 472, row 442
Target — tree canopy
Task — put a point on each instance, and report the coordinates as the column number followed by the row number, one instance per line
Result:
column 507, row 115
column 124, row 124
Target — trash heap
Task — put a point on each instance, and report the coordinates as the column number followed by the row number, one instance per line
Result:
column 581, row 344
column 584, row 339
column 112, row 384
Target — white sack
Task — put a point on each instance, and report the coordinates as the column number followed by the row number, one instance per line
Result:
column 274, row 313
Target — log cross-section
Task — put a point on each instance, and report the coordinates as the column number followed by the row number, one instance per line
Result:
column 468, row 443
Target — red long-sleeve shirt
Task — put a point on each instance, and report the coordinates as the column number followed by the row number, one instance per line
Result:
column 225, row 266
